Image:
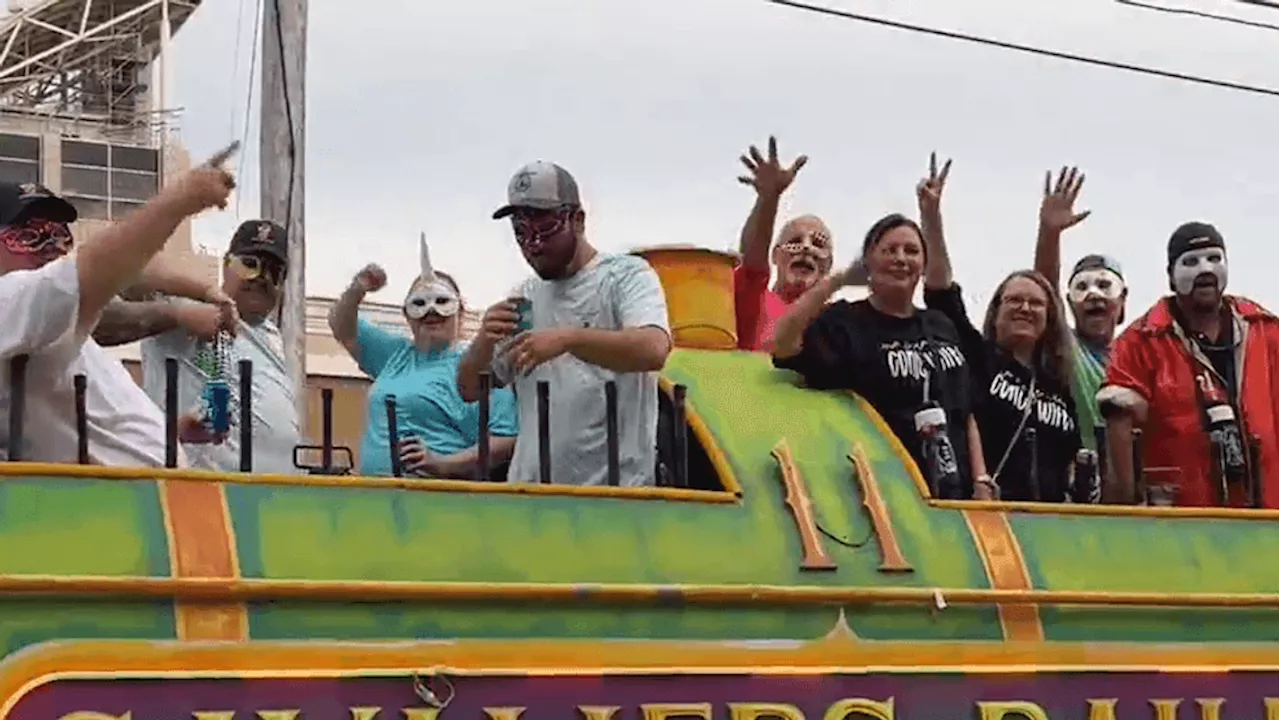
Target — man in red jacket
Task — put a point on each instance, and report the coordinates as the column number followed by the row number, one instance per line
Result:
column 1198, row 374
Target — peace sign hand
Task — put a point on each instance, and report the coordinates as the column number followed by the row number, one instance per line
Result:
column 768, row 176
column 929, row 190
column 1057, row 209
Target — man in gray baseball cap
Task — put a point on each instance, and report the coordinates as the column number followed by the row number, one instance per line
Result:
column 586, row 319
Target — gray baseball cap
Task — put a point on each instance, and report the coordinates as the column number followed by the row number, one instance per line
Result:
column 539, row 186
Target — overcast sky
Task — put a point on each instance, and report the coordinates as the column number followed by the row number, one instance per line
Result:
column 418, row 113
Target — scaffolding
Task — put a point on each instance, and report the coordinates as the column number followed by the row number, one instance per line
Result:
column 89, row 61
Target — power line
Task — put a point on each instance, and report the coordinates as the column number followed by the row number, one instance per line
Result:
column 1260, row 3
column 1198, row 13
column 1168, row 74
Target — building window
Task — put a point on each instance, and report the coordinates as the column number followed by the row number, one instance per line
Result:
column 19, row 158
column 106, row 182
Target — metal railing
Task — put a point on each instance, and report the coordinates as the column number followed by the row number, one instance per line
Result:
column 677, row 440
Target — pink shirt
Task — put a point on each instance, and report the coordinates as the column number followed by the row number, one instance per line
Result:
column 757, row 307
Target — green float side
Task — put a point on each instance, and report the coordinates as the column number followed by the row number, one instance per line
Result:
column 115, row 527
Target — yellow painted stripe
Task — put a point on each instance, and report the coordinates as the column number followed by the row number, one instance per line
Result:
column 202, row 546
column 1007, row 570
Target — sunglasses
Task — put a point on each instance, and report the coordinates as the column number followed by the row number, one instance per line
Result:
column 252, row 267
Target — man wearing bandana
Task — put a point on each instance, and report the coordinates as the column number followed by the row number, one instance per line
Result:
column 253, row 272
column 802, row 253
column 53, row 291
column 585, row 319
column 1198, row 373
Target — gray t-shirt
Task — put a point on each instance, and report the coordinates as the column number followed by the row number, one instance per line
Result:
column 275, row 419
column 613, row 292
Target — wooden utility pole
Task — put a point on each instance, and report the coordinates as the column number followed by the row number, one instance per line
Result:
column 282, row 143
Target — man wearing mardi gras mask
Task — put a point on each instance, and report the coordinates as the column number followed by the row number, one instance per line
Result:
column 439, row 431
column 1096, row 294
column 253, row 276
column 53, row 292
column 588, row 318
column 802, row 253
column 1198, row 373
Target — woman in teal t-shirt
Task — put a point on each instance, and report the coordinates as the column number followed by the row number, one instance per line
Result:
column 438, row 430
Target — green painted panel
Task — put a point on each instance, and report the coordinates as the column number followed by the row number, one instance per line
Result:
column 75, row 526
column 430, row 621
column 405, row 535
column 1150, row 554
column 29, row 621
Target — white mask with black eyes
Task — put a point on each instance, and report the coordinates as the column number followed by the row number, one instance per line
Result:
column 1095, row 283
column 430, row 293
column 1193, row 264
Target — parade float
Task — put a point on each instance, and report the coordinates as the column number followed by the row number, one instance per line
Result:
column 792, row 565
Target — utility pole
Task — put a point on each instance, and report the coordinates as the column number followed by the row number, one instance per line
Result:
column 282, row 143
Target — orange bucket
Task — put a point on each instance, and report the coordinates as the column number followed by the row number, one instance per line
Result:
column 698, row 283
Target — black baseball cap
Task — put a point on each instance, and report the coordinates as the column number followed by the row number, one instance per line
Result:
column 261, row 237
column 24, row 200
column 1192, row 236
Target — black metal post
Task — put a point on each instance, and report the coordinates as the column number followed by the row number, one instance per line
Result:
column 171, row 412
column 1033, row 451
column 680, row 441
column 611, row 431
column 1104, row 459
column 82, row 418
column 482, row 433
column 17, row 404
column 1139, row 485
column 326, row 438
column 246, row 416
column 393, row 437
column 544, row 432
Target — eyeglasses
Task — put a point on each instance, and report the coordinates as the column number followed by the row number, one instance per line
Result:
column 1029, row 302
column 251, row 267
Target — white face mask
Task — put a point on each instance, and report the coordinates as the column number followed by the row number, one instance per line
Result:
column 430, row 293
column 1194, row 263
column 1095, row 283
column 436, row 298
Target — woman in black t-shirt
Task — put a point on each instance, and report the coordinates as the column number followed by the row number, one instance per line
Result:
column 899, row 357
column 1021, row 354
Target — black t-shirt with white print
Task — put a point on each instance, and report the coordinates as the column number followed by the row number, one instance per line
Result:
column 1001, row 388
column 886, row 359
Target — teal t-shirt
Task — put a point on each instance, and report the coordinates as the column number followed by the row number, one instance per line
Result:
column 428, row 405
column 1088, row 370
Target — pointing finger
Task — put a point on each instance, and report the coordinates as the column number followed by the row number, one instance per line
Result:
column 946, row 170
column 933, row 165
column 222, row 156
column 773, row 149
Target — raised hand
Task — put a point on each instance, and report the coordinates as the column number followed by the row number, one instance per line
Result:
column 371, row 278
column 929, row 190
column 768, row 176
column 208, row 185
column 1057, row 208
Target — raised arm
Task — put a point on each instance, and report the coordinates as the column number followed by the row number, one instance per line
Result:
column 1057, row 213
column 788, row 334
column 937, row 267
column 770, row 180
column 344, row 314
column 114, row 258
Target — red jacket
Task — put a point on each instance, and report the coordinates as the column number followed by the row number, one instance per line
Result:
column 1152, row 373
